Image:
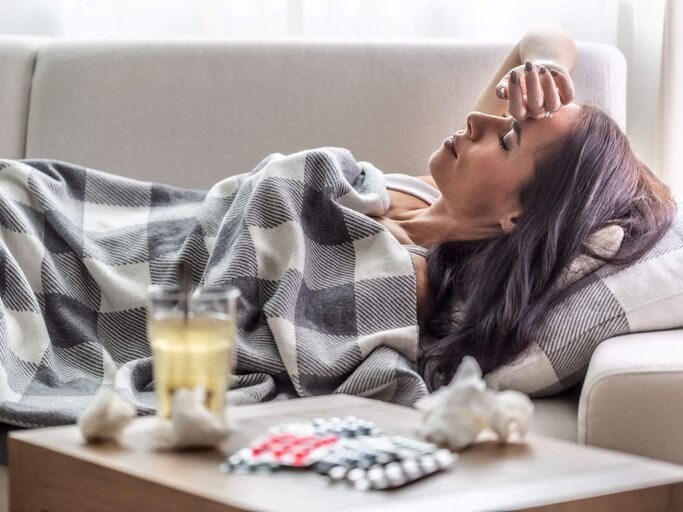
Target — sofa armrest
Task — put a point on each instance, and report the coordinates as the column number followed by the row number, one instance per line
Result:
column 632, row 397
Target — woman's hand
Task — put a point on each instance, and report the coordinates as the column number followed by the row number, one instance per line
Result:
column 536, row 89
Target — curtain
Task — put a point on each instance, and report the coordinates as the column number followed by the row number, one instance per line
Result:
column 671, row 103
column 647, row 32
column 321, row 19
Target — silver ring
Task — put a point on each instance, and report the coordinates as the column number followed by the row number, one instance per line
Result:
column 549, row 113
column 501, row 92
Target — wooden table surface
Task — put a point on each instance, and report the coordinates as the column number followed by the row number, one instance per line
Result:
column 53, row 470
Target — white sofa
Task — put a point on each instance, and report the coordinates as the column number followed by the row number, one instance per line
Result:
column 190, row 112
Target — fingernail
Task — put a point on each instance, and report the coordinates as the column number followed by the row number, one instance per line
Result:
column 541, row 70
column 513, row 77
column 554, row 72
column 528, row 66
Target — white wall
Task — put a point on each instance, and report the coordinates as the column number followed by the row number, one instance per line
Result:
column 634, row 26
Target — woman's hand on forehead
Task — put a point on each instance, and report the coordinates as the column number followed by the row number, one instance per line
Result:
column 536, row 89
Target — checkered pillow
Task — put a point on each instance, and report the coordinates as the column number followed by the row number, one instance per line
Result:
column 646, row 295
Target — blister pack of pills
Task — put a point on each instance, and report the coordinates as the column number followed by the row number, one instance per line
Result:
column 347, row 450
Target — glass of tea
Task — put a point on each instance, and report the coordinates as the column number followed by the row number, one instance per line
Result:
column 191, row 334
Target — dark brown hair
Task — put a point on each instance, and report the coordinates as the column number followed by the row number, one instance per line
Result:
column 506, row 283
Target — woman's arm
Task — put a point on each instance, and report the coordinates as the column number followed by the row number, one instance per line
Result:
column 547, row 45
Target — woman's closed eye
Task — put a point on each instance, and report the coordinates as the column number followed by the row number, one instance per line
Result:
column 501, row 140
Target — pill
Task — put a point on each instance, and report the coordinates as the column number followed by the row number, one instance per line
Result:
column 323, row 466
column 412, row 468
column 385, row 458
column 235, row 459
column 397, row 480
column 264, row 469
column 394, row 468
column 355, row 474
column 444, row 458
column 267, row 457
column 428, row 463
column 337, row 472
column 375, row 472
column 362, row 484
column 287, row 459
column 380, row 482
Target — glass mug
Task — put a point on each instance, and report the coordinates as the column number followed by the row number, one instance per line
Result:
column 193, row 351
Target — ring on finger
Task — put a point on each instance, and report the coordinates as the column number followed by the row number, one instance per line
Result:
column 549, row 113
column 501, row 92
column 538, row 115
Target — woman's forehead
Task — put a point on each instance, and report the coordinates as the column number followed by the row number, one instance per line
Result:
column 545, row 128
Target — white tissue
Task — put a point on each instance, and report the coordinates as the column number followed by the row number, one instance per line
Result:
column 191, row 425
column 105, row 417
column 457, row 414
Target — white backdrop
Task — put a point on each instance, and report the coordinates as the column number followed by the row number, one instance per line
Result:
column 634, row 26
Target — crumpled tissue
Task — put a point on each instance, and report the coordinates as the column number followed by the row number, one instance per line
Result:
column 458, row 414
column 191, row 425
column 105, row 417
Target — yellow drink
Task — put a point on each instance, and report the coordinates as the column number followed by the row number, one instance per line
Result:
column 190, row 354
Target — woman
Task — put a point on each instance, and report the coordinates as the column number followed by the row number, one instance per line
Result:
column 520, row 189
column 516, row 198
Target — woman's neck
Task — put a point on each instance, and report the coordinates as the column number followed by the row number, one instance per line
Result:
column 436, row 224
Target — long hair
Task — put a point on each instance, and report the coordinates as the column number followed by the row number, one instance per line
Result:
column 505, row 284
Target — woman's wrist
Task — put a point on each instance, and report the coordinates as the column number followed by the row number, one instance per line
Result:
column 549, row 45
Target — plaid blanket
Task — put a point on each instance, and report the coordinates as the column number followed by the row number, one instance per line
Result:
column 328, row 295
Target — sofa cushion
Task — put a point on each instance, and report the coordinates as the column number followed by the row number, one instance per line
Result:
column 646, row 295
column 631, row 397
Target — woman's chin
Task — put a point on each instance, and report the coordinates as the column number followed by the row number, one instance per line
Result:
column 434, row 161
column 437, row 166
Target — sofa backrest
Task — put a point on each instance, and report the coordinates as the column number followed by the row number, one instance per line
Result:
column 17, row 60
column 190, row 112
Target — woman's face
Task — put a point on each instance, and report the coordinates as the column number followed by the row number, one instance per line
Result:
column 480, row 170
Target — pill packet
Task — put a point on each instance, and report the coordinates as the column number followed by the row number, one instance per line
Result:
column 296, row 444
column 349, row 426
column 349, row 450
column 383, row 462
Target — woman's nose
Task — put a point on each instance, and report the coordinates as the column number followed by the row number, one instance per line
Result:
column 479, row 123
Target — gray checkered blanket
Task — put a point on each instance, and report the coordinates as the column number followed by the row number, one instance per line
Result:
column 328, row 295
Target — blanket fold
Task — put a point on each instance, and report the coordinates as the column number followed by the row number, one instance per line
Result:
column 328, row 294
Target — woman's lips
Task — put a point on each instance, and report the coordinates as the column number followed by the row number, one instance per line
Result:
column 450, row 144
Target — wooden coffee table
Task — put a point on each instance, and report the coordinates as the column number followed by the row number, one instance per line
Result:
column 53, row 470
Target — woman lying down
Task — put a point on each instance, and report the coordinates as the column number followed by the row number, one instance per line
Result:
column 341, row 269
